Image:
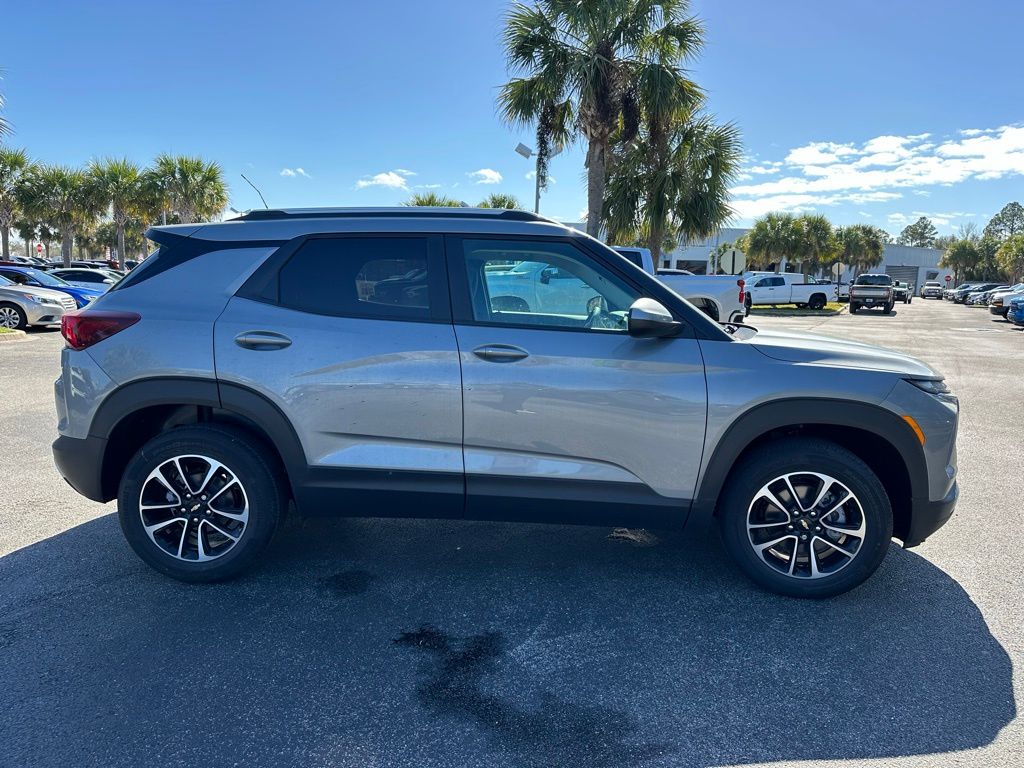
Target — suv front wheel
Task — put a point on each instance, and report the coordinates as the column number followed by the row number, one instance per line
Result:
column 805, row 518
column 201, row 503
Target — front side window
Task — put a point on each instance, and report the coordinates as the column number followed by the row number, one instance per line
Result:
column 543, row 284
column 375, row 277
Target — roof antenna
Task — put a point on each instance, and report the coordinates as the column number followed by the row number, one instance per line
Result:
column 257, row 191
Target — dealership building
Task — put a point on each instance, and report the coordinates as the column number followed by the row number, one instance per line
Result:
column 903, row 262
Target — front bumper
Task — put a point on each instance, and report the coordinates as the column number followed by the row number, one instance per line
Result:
column 928, row 516
column 45, row 314
column 80, row 463
column 998, row 309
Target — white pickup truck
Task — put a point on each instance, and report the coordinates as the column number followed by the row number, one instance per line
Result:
column 721, row 297
column 786, row 288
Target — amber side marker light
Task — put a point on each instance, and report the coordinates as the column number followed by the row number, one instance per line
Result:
column 913, row 426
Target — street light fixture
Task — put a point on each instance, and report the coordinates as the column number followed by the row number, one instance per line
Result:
column 526, row 152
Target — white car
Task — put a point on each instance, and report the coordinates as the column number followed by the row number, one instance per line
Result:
column 87, row 278
column 22, row 305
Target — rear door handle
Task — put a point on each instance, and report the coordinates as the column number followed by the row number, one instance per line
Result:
column 500, row 353
column 262, row 340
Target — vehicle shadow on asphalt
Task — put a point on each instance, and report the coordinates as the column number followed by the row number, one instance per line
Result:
column 398, row 642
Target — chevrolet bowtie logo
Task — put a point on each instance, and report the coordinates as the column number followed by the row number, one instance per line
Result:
column 806, row 525
column 195, row 507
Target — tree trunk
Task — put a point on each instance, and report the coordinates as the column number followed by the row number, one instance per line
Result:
column 120, row 246
column 596, row 179
column 5, row 240
column 67, row 241
column 655, row 237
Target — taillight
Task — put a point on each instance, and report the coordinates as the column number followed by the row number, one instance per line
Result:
column 85, row 327
column 742, row 284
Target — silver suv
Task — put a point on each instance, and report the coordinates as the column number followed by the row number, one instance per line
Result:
column 373, row 363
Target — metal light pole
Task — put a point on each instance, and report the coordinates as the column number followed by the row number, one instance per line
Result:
column 526, row 152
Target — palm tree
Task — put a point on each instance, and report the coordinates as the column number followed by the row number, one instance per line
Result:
column 63, row 196
column 861, row 246
column 433, row 200
column 13, row 163
column 674, row 184
column 118, row 184
column 581, row 65
column 499, row 200
column 817, row 242
column 773, row 237
column 190, row 187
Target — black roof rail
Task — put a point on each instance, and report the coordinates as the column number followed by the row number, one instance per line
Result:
column 281, row 214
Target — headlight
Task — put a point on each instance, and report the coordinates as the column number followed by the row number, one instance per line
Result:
column 936, row 387
column 52, row 302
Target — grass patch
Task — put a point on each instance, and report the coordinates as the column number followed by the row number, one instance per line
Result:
column 832, row 308
column 6, row 330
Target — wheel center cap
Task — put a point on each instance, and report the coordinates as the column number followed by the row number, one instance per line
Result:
column 803, row 524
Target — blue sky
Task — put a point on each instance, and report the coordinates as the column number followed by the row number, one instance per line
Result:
column 874, row 112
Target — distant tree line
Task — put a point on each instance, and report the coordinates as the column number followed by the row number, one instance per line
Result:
column 107, row 204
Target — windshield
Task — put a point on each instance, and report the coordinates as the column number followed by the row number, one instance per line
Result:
column 45, row 279
column 931, row 285
column 5, row 281
column 874, row 280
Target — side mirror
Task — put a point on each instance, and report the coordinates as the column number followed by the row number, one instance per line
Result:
column 546, row 274
column 648, row 319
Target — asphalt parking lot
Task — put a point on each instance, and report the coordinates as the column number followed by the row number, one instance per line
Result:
column 420, row 643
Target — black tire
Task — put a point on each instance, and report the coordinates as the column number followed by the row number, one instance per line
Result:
column 818, row 301
column 748, row 303
column 889, row 308
column 777, row 458
column 22, row 319
column 854, row 308
column 256, row 470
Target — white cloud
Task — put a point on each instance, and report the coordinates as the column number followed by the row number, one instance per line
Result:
column 295, row 172
column 485, row 176
column 393, row 179
column 881, row 168
column 404, row 172
column 428, row 186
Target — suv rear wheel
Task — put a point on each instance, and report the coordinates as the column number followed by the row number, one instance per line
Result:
column 201, row 503
column 805, row 518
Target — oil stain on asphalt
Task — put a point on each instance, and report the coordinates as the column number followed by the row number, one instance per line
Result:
column 553, row 731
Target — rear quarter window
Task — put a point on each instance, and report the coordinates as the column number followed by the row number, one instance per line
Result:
column 371, row 277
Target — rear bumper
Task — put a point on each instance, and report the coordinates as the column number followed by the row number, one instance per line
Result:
column 928, row 516
column 80, row 463
column 998, row 309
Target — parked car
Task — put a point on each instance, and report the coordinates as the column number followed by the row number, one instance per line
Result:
column 23, row 305
column 902, row 292
column 1015, row 312
column 980, row 298
column 960, row 294
column 359, row 364
column 840, row 291
column 785, row 288
column 37, row 278
column 950, row 293
column 872, row 291
column 87, row 278
column 720, row 297
column 999, row 301
column 931, row 290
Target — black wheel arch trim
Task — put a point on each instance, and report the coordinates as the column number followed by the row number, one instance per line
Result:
column 236, row 399
column 795, row 412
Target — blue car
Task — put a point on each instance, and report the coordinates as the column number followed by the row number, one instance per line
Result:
column 1015, row 314
column 39, row 279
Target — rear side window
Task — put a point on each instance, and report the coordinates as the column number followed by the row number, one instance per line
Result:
column 374, row 277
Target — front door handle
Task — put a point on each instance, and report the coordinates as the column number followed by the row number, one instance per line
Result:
column 262, row 340
column 500, row 353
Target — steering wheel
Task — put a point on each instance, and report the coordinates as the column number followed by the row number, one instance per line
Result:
column 598, row 315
